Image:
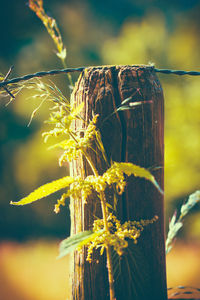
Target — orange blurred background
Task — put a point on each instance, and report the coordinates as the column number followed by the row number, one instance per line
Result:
column 31, row 271
column 95, row 32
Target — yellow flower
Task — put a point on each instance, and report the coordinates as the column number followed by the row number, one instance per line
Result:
column 117, row 236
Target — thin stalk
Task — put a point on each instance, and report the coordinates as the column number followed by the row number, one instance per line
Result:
column 106, row 227
column 108, row 248
column 94, row 170
column 68, row 75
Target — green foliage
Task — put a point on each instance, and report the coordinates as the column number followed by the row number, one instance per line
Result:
column 192, row 200
column 45, row 190
column 109, row 232
column 131, row 169
column 176, row 224
column 71, row 243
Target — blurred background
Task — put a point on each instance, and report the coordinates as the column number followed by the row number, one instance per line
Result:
column 95, row 33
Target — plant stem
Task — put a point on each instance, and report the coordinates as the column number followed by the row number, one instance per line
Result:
column 108, row 248
column 71, row 84
column 106, row 227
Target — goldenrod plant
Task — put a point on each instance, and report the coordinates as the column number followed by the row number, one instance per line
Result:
column 107, row 233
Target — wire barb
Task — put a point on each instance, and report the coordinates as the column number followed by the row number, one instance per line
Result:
column 5, row 78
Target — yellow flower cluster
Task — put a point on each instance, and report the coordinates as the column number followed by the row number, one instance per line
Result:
column 108, row 179
column 72, row 151
column 81, row 188
column 61, row 201
column 74, row 148
column 114, row 176
column 74, row 144
column 117, row 236
column 54, row 133
column 60, row 121
column 91, row 131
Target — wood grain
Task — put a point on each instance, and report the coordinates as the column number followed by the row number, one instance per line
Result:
column 133, row 136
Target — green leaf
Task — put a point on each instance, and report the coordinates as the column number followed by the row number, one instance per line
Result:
column 45, row 190
column 126, row 100
column 125, row 107
column 132, row 169
column 71, row 243
column 175, row 225
column 193, row 199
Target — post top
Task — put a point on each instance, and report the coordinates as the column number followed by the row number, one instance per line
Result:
column 107, row 67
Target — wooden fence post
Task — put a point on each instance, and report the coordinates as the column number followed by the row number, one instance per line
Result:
column 133, row 135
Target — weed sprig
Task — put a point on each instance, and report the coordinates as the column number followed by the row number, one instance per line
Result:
column 54, row 32
column 176, row 224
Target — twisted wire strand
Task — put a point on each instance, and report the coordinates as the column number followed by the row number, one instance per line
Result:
column 184, row 290
column 41, row 74
column 180, row 287
column 80, row 69
column 177, row 72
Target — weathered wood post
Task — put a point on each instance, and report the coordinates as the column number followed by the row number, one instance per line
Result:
column 135, row 136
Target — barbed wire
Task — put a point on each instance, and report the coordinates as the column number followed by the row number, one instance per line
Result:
column 183, row 290
column 177, row 72
column 41, row 74
column 5, row 82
